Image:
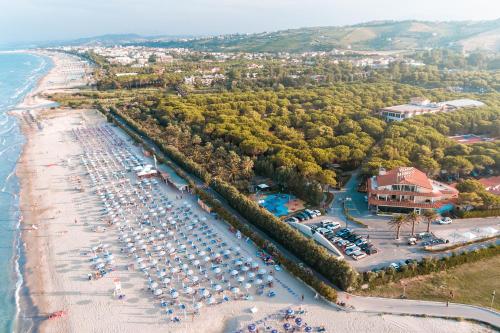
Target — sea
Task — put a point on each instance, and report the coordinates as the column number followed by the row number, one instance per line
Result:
column 19, row 74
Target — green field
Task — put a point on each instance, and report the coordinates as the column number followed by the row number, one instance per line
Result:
column 470, row 283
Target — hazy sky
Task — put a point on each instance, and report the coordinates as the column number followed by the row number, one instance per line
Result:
column 34, row 20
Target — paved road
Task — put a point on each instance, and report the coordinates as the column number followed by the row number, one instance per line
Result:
column 370, row 304
column 415, row 307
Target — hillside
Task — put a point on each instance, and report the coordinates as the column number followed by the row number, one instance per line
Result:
column 386, row 35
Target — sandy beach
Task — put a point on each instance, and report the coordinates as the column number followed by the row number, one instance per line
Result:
column 61, row 224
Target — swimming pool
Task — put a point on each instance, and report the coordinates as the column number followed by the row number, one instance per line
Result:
column 277, row 203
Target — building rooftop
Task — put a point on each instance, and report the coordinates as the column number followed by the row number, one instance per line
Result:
column 406, row 176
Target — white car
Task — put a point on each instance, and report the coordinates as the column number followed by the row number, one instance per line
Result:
column 445, row 220
column 358, row 255
column 351, row 250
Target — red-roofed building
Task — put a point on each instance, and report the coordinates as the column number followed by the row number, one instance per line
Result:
column 491, row 184
column 406, row 189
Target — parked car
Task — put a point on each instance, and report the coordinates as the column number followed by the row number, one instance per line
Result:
column 371, row 250
column 292, row 219
column 343, row 232
column 394, row 265
column 325, row 223
column 360, row 241
column 317, row 212
column 322, row 230
column 333, row 226
column 445, row 220
column 351, row 250
column 358, row 255
column 412, row 241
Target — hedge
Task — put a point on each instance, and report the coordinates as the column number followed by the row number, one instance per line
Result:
column 478, row 213
column 427, row 266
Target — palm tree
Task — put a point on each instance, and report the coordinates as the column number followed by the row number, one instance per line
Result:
column 396, row 222
column 429, row 216
column 413, row 218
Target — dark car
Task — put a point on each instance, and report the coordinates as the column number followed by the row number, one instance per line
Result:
column 371, row 250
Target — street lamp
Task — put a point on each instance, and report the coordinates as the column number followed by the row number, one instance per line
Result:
column 492, row 298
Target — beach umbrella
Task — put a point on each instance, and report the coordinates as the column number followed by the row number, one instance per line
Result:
column 234, row 272
column 194, row 279
column 217, row 287
column 153, row 285
column 206, row 259
column 174, row 270
column 226, row 252
column 202, row 253
column 252, row 328
column 287, row 326
column 298, row 321
column 262, row 271
column 241, row 278
column 191, row 256
column 211, row 300
column 161, row 274
column 196, row 262
column 249, row 259
column 165, row 280
column 247, row 286
column 100, row 265
column 205, row 292
column 198, row 305
column 158, row 292
column 251, row 275
column 217, row 270
column 244, row 268
column 190, row 272
column 269, row 278
column 258, row 281
column 289, row 312
column 254, row 264
column 235, row 290
column 188, row 290
column 238, row 263
column 174, row 294
column 308, row 329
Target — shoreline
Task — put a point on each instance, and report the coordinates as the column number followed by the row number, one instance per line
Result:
column 30, row 312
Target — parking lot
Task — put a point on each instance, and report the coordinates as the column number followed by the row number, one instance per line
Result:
column 388, row 250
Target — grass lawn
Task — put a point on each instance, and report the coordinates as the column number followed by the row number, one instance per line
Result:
column 470, row 283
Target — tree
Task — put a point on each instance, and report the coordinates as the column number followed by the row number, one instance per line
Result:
column 430, row 215
column 414, row 219
column 397, row 222
column 470, row 199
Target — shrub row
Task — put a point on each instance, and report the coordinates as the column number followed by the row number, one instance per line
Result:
column 427, row 266
column 351, row 218
column 336, row 271
column 478, row 213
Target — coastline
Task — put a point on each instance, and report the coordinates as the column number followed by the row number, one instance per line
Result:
column 32, row 305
